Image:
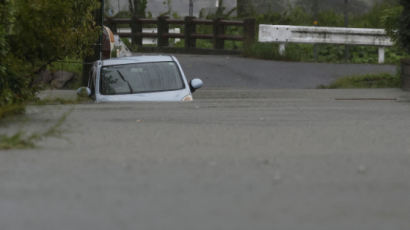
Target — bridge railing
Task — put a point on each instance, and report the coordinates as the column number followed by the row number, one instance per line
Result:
column 189, row 27
column 324, row 35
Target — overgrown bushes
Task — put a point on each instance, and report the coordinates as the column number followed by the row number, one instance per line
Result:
column 404, row 26
column 34, row 34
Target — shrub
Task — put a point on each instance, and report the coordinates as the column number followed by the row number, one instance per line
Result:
column 404, row 26
column 34, row 34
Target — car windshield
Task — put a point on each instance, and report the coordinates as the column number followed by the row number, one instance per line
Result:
column 140, row 78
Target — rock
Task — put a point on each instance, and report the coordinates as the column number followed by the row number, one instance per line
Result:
column 61, row 78
column 45, row 77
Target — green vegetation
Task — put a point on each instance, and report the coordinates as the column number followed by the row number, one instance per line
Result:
column 326, row 53
column 72, row 65
column 9, row 110
column 35, row 34
column 16, row 141
column 270, row 51
column 137, row 8
column 382, row 15
column 403, row 24
column 61, row 101
column 21, row 141
column 383, row 80
column 16, row 109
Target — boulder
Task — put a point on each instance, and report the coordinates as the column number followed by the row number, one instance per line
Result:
column 61, row 78
column 45, row 77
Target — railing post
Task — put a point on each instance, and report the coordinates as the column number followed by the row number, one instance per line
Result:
column 112, row 25
column 190, row 28
column 249, row 30
column 136, row 32
column 282, row 49
column 219, row 30
column 163, row 29
column 381, row 55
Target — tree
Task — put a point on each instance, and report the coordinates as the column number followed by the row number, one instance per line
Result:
column 168, row 5
column 38, row 33
column 404, row 26
column 10, row 86
column 396, row 21
column 355, row 6
column 220, row 11
column 245, row 8
column 137, row 8
column 46, row 31
column 221, row 8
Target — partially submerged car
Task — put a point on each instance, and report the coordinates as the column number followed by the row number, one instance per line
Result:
column 140, row 78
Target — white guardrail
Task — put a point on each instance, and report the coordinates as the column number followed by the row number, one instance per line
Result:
column 324, row 35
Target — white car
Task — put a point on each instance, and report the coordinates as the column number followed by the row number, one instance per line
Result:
column 140, row 78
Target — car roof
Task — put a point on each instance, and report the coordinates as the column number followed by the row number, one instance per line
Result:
column 136, row 59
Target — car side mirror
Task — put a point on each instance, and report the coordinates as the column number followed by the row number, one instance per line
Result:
column 195, row 84
column 84, row 92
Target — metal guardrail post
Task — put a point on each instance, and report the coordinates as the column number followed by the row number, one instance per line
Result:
column 163, row 30
column 381, row 55
column 249, row 30
column 282, row 49
column 190, row 28
column 219, row 30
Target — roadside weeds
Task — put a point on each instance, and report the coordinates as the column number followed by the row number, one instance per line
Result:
column 20, row 141
column 383, row 80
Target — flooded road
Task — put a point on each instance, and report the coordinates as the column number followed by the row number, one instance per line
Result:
column 232, row 160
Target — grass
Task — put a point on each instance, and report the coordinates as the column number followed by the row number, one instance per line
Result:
column 270, row 51
column 16, row 109
column 326, row 53
column 383, row 80
column 61, row 101
column 21, row 141
column 10, row 110
column 16, row 141
column 73, row 65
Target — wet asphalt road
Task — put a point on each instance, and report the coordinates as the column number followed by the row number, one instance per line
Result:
column 231, row 160
column 236, row 72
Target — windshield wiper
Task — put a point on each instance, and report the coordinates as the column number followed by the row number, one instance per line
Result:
column 123, row 78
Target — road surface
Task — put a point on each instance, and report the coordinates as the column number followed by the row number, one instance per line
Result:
column 218, row 71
